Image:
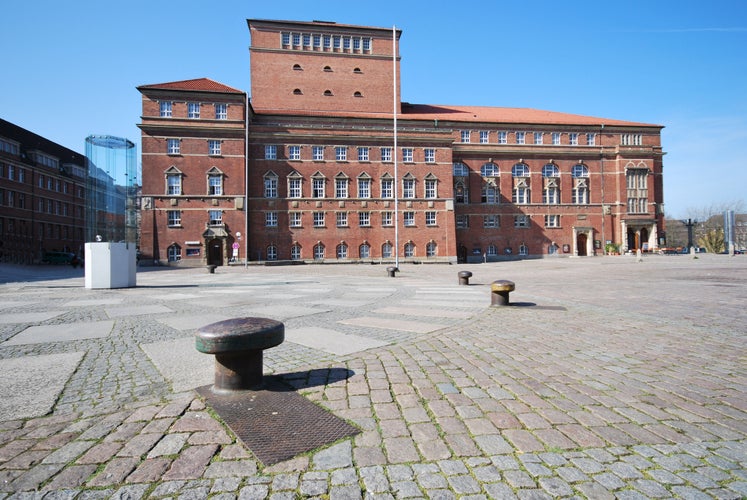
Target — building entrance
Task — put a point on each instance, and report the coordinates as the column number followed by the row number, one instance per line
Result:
column 215, row 252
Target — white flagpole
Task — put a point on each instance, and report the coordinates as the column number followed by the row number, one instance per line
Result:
column 396, row 176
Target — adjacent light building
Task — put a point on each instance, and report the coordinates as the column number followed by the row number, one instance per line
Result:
column 328, row 179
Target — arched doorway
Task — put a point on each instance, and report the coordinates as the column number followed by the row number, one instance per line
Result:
column 215, row 252
column 581, row 242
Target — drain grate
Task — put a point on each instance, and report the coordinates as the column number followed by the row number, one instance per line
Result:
column 276, row 423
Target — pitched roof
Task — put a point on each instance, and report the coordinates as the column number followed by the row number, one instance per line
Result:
column 505, row 115
column 469, row 114
column 196, row 84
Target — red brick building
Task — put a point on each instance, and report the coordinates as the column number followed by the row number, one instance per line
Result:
column 326, row 180
column 42, row 196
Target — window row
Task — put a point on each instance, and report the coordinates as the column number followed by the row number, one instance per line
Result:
column 343, row 153
column 492, row 250
column 174, row 147
column 214, row 180
column 520, row 169
column 493, row 221
column 18, row 174
column 537, row 138
column 325, row 42
column 327, row 69
column 346, row 219
column 166, row 109
column 15, row 199
column 327, row 93
column 521, row 193
column 12, row 227
column 364, row 184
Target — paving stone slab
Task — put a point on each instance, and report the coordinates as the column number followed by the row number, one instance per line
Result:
column 62, row 333
column 331, row 341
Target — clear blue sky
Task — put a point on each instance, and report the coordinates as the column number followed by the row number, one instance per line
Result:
column 70, row 68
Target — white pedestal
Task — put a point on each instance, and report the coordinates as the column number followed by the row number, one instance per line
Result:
column 110, row 265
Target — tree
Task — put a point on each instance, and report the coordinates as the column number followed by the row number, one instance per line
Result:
column 712, row 240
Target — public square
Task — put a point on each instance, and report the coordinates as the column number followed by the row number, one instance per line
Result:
column 605, row 377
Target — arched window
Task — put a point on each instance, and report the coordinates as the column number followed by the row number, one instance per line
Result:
column 523, row 249
column 297, row 67
column 296, row 252
column 431, row 249
column 550, row 170
column 319, row 251
column 579, row 171
column 490, row 192
column 297, row 92
column 272, row 252
column 364, row 251
column 460, row 170
column 342, row 251
column 491, row 251
column 489, row 170
column 386, row 250
column 174, row 253
column 520, row 170
column 357, row 94
column 461, row 193
column 327, row 93
column 327, row 68
column 409, row 249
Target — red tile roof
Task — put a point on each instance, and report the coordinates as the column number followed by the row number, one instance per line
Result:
column 197, row 84
column 470, row 114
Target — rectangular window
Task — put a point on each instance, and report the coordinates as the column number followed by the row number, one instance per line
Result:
column 552, row 220
column 174, row 184
column 407, row 155
column 294, row 219
column 556, row 138
column 317, row 41
column 363, row 153
column 221, row 111
column 318, row 219
column 520, row 137
column 307, row 40
column 520, row 195
column 294, row 152
column 342, row 219
column 271, row 187
column 409, row 218
column 462, row 221
column 193, row 110
column 285, row 38
column 294, row 188
column 174, row 218
column 356, row 44
column 551, row 196
column 538, row 137
column 502, row 137
column 386, row 219
column 430, row 218
column 430, row 155
column 271, row 152
column 214, row 148
column 580, row 196
column 173, row 146
column 366, row 45
column 164, row 108
column 387, row 188
column 317, row 188
column 341, row 153
column 386, row 154
column 364, row 219
column 215, row 185
column 408, row 188
column 341, row 188
column 317, row 153
column 346, row 43
column 215, row 217
column 491, row 221
column 327, row 41
column 430, row 188
column 573, row 139
column 271, row 219
column 296, row 39
column 364, row 188
column 336, row 42
column 521, row 221
column 483, row 136
column 464, row 135
column 591, row 139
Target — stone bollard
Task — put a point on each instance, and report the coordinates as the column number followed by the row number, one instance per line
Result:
column 211, row 268
column 238, row 344
column 391, row 270
column 499, row 291
column 464, row 277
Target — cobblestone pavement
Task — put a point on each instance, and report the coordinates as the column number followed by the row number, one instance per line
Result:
column 605, row 378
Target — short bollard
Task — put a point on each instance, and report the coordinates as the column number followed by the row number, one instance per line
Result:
column 499, row 291
column 391, row 270
column 238, row 344
column 211, row 268
column 464, row 277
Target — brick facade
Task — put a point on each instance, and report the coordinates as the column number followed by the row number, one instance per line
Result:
column 473, row 183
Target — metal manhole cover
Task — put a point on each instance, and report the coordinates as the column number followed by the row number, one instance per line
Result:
column 276, row 423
